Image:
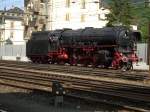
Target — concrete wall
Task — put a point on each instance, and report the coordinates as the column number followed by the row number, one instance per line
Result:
column 10, row 52
column 142, row 51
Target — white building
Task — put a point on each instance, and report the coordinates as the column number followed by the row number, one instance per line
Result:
column 11, row 28
column 58, row 14
column 76, row 14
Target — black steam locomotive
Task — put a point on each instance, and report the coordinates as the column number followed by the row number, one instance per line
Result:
column 106, row 47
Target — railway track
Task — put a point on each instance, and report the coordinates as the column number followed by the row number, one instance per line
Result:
column 30, row 76
column 129, row 75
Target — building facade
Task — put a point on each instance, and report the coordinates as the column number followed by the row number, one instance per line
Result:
column 11, row 27
column 76, row 14
column 57, row 14
column 35, row 16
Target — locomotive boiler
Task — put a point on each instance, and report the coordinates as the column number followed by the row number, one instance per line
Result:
column 106, row 47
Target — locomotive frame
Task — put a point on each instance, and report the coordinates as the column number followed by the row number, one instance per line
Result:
column 77, row 47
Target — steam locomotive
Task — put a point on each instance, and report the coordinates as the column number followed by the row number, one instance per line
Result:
column 106, row 47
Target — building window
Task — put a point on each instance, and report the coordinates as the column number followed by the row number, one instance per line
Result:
column 0, row 36
column 12, row 25
column 67, row 18
column 11, row 34
column 42, row 1
column 68, row 3
column 13, row 15
column 82, row 17
column 99, row 17
column 83, row 4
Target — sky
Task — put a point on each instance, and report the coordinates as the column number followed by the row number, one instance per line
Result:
column 11, row 3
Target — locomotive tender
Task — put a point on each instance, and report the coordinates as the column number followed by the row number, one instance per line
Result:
column 107, row 47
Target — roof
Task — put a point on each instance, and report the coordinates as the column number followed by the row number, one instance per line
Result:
column 13, row 14
column 15, row 10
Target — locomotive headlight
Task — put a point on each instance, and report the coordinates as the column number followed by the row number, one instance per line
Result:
column 64, row 92
column 57, row 92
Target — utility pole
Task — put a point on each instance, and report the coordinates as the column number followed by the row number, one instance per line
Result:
column 149, row 46
column 149, row 39
column 51, row 15
column 147, row 4
column 46, row 13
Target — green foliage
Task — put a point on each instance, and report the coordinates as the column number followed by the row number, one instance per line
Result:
column 120, row 13
column 130, row 12
column 142, row 19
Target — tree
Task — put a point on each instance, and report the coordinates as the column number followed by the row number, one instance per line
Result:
column 142, row 19
column 120, row 13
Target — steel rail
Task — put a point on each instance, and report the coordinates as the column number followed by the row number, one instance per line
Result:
column 132, row 108
column 60, row 66
column 46, row 66
column 35, row 78
column 63, row 74
column 103, row 88
column 49, row 78
column 93, row 88
column 104, row 73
